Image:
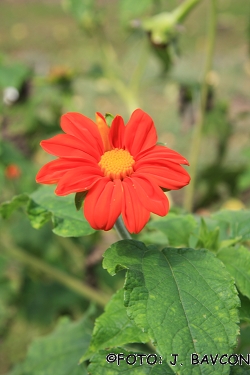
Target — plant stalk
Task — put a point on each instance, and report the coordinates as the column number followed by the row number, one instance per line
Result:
column 139, row 69
column 110, row 63
column 183, row 9
column 122, row 230
column 197, row 136
column 70, row 282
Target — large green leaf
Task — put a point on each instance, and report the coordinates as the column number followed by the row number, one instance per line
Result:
column 59, row 352
column 101, row 365
column 177, row 228
column 113, row 328
column 184, row 298
column 43, row 205
column 237, row 262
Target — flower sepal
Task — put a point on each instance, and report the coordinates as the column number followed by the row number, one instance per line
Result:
column 165, row 190
column 79, row 199
column 109, row 118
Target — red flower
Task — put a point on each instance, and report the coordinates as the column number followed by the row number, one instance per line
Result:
column 12, row 171
column 121, row 167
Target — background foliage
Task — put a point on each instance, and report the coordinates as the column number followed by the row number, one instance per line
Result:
column 111, row 56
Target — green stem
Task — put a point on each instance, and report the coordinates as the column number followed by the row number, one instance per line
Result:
column 126, row 95
column 183, row 9
column 59, row 276
column 110, row 65
column 139, row 69
column 196, row 142
column 121, row 229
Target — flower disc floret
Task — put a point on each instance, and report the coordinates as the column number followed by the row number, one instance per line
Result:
column 117, row 163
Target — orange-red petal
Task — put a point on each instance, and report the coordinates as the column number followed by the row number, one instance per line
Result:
column 163, row 177
column 115, row 207
column 103, row 204
column 117, row 131
column 150, row 195
column 67, row 146
column 51, row 172
column 161, row 153
column 134, row 214
column 82, row 128
column 140, row 133
column 103, row 131
column 78, row 179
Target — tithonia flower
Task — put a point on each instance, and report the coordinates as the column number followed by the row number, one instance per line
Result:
column 122, row 168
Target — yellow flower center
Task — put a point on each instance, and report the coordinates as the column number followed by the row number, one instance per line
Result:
column 117, row 163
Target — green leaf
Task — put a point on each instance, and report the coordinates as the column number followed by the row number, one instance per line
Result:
column 114, row 328
column 237, row 222
column 239, row 370
column 152, row 236
column 184, row 298
column 208, row 239
column 177, row 228
column 244, row 342
column 237, row 262
column 43, row 205
column 59, row 352
column 7, row 208
column 37, row 214
column 244, row 309
column 14, row 75
column 228, row 243
column 100, row 365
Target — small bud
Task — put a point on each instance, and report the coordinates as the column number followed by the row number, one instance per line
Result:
column 12, row 172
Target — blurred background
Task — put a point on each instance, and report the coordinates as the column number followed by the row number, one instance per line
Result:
column 110, row 56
